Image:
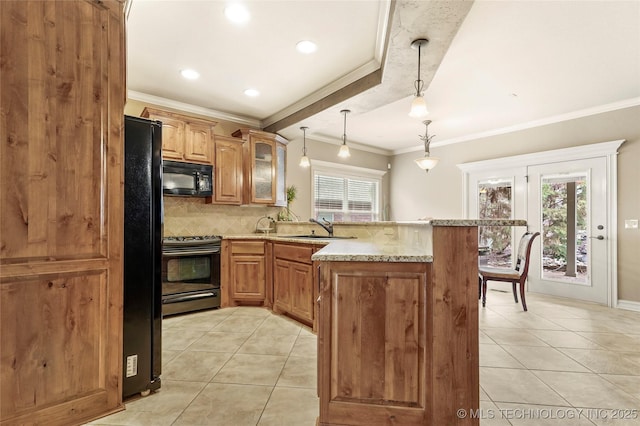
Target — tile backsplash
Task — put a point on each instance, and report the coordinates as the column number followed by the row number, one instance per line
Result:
column 190, row 216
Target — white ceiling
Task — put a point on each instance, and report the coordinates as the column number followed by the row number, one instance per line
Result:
column 503, row 65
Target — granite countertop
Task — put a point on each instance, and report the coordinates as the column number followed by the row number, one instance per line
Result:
column 477, row 222
column 438, row 222
column 357, row 250
column 370, row 251
column 279, row 237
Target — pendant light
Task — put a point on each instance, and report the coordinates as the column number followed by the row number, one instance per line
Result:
column 427, row 162
column 304, row 161
column 418, row 106
column 344, row 149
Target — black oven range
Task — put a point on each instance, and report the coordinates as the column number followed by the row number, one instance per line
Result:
column 190, row 274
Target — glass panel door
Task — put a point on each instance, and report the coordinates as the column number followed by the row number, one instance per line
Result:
column 495, row 243
column 565, row 249
column 568, row 206
column 498, row 194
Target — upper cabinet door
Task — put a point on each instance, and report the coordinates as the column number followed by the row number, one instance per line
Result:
column 198, row 145
column 184, row 138
column 263, row 189
column 262, row 167
column 228, row 170
column 172, row 133
column 172, row 138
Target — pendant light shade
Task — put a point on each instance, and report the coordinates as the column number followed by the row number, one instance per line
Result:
column 344, row 149
column 427, row 162
column 304, row 161
column 418, row 106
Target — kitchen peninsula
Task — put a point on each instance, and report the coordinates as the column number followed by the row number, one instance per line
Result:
column 397, row 320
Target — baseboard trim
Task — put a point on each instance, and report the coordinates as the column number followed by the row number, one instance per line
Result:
column 629, row 305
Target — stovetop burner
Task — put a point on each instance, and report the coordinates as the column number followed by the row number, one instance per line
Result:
column 192, row 239
column 172, row 243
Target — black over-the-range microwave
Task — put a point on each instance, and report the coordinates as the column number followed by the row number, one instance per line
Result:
column 187, row 179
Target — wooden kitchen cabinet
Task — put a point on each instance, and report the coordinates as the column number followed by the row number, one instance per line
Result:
column 264, row 167
column 61, row 223
column 245, row 273
column 398, row 341
column 294, row 285
column 228, row 170
column 372, row 344
column 184, row 138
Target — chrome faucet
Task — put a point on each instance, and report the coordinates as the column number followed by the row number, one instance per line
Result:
column 328, row 226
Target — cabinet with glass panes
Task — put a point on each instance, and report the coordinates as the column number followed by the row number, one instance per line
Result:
column 264, row 167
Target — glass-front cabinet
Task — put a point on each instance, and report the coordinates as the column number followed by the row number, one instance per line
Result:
column 264, row 168
column 281, row 164
column 263, row 176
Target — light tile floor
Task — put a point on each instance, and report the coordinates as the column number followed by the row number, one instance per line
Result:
column 562, row 363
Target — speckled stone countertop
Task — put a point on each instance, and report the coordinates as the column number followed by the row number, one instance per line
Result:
column 413, row 247
column 477, row 222
column 278, row 237
column 370, row 251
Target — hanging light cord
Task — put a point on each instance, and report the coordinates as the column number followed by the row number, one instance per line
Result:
column 344, row 132
column 304, row 141
column 419, row 83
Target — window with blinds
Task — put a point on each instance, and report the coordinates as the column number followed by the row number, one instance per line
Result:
column 345, row 198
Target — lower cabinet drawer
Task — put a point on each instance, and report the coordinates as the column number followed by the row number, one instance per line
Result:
column 295, row 253
column 247, row 247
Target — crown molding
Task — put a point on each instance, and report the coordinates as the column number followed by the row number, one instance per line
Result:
column 194, row 109
column 627, row 103
column 564, row 154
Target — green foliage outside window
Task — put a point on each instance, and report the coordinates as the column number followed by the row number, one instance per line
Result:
column 554, row 218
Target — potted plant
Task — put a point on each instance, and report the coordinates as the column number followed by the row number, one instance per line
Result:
column 285, row 214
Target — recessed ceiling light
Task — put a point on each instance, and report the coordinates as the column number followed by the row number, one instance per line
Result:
column 252, row 93
column 237, row 13
column 190, row 74
column 306, row 46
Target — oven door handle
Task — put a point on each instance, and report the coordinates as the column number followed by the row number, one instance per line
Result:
column 187, row 297
column 190, row 253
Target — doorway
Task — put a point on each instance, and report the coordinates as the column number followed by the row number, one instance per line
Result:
column 572, row 203
column 568, row 206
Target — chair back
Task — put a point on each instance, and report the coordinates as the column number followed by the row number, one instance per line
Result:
column 524, row 252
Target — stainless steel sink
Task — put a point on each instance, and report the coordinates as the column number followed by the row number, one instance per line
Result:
column 316, row 237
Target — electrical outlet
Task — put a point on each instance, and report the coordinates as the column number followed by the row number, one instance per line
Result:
column 132, row 365
column 631, row 224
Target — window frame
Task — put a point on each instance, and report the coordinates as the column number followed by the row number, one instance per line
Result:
column 345, row 171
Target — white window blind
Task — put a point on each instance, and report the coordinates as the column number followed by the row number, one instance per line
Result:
column 345, row 197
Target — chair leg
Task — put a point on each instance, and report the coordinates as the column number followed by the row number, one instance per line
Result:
column 524, row 302
column 479, row 288
column 484, row 292
column 513, row 288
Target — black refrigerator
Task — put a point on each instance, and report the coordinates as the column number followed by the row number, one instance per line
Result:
column 142, row 314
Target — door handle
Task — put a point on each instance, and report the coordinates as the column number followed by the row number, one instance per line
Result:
column 599, row 237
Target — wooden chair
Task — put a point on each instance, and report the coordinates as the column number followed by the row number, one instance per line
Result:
column 516, row 275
